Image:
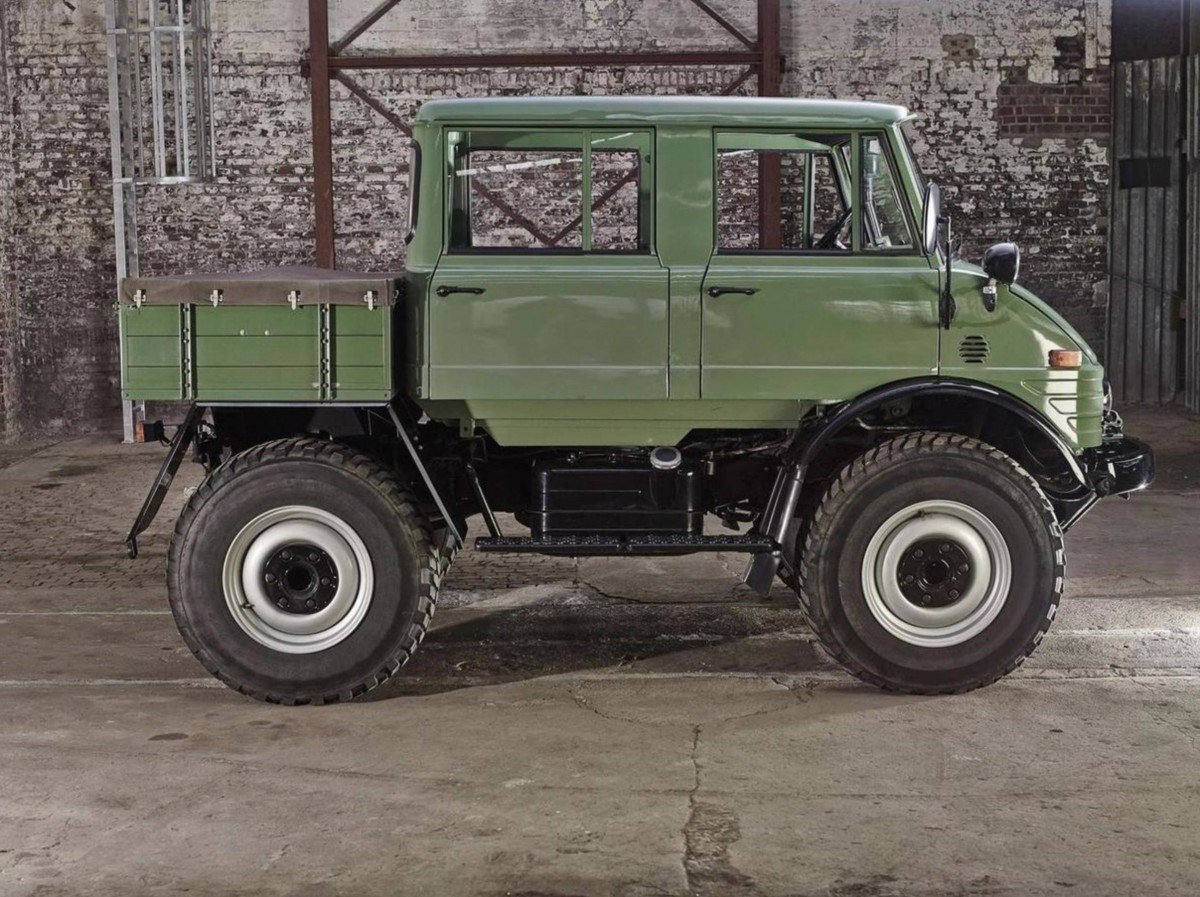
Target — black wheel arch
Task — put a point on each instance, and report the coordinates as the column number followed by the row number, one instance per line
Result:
column 969, row 408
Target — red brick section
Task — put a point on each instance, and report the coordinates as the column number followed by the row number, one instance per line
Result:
column 1079, row 110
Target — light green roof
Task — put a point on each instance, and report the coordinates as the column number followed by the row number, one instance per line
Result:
column 600, row 111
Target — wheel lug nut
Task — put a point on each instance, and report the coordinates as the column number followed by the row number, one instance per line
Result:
column 925, row 599
column 920, row 553
column 954, row 593
column 286, row 555
column 963, row 568
column 283, row 602
column 312, row 556
column 945, row 548
column 324, row 580
column 270, row 577
column 310, row 603
column 908, row 578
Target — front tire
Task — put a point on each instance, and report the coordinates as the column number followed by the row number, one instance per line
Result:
column 302, row 572
column 933, row 564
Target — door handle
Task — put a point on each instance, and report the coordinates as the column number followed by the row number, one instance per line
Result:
column 721, row 291
column 446, row 291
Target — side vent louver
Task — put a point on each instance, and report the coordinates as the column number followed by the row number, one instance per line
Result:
column 973, row 349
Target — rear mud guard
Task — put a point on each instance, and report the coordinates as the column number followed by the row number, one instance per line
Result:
column 166, row 474
column 456, row 538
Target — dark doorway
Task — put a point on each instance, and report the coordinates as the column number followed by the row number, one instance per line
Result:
column 1153, row 352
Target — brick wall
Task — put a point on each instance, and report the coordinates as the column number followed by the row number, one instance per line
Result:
column 6, row 218
column 1054, row 110
column 956, row 65
column 63, row 377
column 973, row 70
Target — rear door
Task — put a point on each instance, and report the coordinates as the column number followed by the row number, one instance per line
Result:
column 548, row 286
column 825, row 294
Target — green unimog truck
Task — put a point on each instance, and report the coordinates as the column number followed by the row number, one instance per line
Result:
column 621, row 318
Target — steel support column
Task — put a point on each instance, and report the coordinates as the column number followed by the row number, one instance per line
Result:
column 769, row 77
column 322, row 126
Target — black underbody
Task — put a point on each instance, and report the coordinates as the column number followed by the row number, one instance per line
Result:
column 615, row 501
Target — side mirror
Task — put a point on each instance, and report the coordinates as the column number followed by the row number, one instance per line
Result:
column 931, row 212
column 1001, row 262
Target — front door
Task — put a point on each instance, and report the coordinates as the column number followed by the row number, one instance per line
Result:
column 533, row 298
column 822, row 293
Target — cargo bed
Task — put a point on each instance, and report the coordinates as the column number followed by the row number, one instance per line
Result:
column 281, row 334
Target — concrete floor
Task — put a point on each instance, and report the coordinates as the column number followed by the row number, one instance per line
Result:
column 594, row 727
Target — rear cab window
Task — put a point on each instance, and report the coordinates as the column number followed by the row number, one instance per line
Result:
column 565, row 191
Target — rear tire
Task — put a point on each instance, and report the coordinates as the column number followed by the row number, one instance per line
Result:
column 303, row 572
column 934, row 564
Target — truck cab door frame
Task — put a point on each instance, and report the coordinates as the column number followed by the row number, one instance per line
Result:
column 809, row 324
column 534, row 322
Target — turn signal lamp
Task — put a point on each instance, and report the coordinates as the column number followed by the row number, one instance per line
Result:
column 1065, row 358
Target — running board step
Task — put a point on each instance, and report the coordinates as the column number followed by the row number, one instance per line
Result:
column 587, row 546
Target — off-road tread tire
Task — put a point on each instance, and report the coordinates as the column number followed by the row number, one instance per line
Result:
column 910, row 445
column 371, row 472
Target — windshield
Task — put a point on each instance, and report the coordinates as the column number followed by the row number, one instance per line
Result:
column 907, row 133
column 883, row 209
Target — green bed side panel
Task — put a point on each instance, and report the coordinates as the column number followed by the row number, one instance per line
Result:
column 257, row 353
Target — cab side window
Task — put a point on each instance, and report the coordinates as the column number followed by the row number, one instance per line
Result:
column 829, row 206
column 513, row 191
column 523, row 199
column 780, row 192
column 810, row 210
column 620, row 205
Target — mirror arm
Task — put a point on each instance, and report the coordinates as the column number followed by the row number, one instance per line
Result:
column 946, row 304
column 989, row 294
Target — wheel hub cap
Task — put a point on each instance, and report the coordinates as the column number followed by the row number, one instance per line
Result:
column 936, row 573
column 301, row 579
column 298, row 579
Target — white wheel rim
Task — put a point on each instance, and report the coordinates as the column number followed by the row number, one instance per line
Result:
column 246, row 590
column 973, row 610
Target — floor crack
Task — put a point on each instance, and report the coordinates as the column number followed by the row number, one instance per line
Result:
column 709, row 832
column 585, row 704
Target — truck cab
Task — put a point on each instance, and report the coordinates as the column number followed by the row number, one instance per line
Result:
column 640, row 326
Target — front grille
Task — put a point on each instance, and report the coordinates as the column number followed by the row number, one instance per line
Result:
column 973, row 350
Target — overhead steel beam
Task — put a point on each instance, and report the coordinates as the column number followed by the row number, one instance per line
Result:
column 723, row 22
column 355, row 88
column 542, row 60
column 367, row 21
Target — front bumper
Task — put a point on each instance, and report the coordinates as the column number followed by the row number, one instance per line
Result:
column 1119, row 466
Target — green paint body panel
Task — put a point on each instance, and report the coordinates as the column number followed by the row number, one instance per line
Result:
column 258, row 353
column 1020, row 335
column 824, row 328
column 578, row 348
column 566, row 327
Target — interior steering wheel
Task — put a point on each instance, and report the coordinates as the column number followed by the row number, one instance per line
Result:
column 829, row 239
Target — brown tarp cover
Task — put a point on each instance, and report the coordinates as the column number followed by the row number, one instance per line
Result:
column 271, row 286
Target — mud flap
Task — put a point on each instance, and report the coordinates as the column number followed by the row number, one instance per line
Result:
column 455, row 537
column 166, row 475
column 776, row 521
